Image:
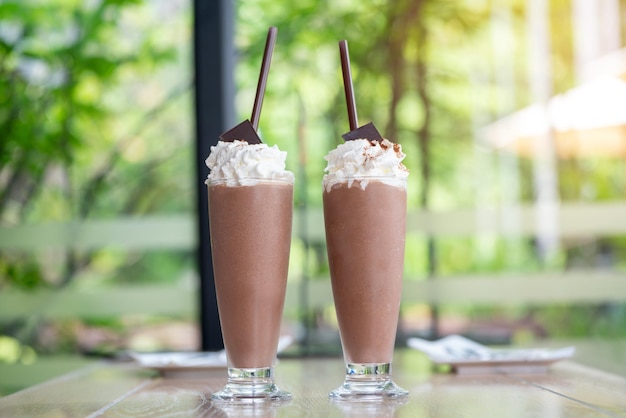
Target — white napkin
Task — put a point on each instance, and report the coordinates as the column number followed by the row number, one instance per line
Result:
column 456, row 348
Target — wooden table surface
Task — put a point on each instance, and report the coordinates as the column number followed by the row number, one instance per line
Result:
column 124, row 390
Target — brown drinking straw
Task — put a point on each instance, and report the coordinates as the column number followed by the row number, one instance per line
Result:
column 367, row 131
column 247, row 130
column 347, row 84
column 265, row 69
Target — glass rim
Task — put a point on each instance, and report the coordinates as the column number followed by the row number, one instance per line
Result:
column 351, row 179
column 249, row 181
column 363, row 177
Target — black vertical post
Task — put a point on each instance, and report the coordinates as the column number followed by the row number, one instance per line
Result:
column 214, row 90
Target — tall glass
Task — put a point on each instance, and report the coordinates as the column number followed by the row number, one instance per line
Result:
column 365, row 220
column 250, row 240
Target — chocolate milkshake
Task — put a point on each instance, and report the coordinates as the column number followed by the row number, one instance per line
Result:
column 365, row 219
column 250, row 217
column 365, row 231
column 250, row 258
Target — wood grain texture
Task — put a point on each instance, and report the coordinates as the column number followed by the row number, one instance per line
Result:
column 77, row 394
column 122, row 390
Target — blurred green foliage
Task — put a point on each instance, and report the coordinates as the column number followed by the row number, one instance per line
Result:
column 95, row 123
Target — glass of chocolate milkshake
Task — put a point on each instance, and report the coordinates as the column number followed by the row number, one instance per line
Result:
column 250, row 217
column 365, row 219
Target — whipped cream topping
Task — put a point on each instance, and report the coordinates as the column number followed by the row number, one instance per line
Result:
column 361, row 160
column 241, row 164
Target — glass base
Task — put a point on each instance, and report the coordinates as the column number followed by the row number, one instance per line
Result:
column 253, row 385
column 368, row 382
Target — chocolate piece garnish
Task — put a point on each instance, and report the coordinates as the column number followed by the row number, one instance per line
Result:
column 247, row 130
column 368, row 131
column 244, row 131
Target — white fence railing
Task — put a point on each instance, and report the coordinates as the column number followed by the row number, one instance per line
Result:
column 177, row 232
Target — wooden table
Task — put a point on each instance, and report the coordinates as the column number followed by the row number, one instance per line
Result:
column 124, row 390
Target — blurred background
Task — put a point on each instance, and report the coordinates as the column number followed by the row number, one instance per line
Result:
column 512, row 114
